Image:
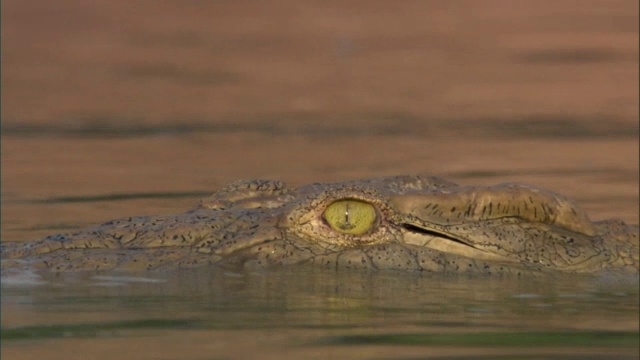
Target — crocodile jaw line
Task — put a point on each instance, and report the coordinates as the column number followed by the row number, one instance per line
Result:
column 420, row 236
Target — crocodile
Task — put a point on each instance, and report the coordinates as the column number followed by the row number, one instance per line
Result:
column 409, row 223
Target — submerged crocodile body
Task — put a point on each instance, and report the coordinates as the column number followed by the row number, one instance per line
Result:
column 404, row 223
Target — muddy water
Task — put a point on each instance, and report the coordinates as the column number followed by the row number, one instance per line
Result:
column 62, row 183
column 114, row 110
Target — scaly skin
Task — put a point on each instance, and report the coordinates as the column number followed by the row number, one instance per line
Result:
column 420, row 224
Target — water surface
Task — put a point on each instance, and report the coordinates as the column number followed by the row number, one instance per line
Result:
column 115, row 109
column 298, row 311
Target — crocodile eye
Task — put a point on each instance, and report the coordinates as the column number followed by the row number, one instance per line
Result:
column 350, row 216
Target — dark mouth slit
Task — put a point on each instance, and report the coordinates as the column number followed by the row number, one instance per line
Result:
column 417, row 229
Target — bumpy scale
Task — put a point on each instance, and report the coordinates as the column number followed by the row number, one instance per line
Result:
column 404, row 223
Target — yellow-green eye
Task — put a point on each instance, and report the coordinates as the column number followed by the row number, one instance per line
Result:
column 351, row 216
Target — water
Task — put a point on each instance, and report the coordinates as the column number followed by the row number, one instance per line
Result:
column 122, row 109
column 301, row 312
column 298, row 312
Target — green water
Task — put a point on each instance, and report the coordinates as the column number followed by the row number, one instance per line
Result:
column 321, row 313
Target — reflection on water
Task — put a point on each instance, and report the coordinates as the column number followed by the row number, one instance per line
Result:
column 121, row 109
column 303, row 311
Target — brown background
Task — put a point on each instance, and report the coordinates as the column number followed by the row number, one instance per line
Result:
column 128, row 97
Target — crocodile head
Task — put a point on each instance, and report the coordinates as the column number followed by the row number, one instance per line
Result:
column 403, row 223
